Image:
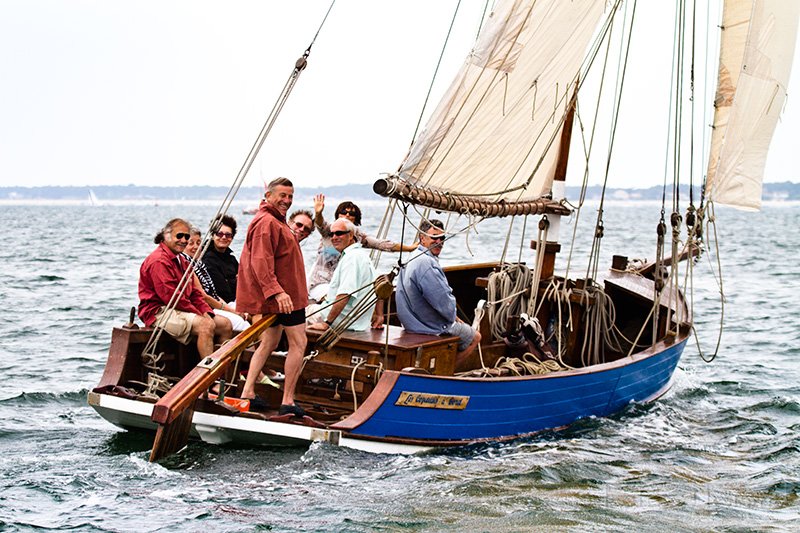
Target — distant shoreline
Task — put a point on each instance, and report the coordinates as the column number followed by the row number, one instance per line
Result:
column 300, row 203
column 250, row 196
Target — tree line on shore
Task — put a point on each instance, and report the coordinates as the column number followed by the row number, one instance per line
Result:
column 772, row 191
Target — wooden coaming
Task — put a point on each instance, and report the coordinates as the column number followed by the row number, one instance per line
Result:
column 397, row 347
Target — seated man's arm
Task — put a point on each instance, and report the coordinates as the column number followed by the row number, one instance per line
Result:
column 383, row 245
column 333, row 312
column 378, row 314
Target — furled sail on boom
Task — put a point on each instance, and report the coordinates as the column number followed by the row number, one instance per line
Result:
column 495, row 133
column 756, row 51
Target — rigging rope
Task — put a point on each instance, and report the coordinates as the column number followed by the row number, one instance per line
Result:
column 299, row 66
column 507, row 296
column 435, row 73
column 713, row 225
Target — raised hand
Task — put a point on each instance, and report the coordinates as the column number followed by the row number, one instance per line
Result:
column 319, row 203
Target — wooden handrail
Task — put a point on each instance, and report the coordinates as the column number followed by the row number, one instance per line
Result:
column 201, row 377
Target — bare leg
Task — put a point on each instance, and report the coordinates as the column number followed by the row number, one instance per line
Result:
column 203, row 327
column 223, row 328
column 296, row 335
column 269, row 341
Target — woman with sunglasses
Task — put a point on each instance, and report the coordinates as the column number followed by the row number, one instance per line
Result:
column 220, row 262
column 205, row 284
column 328, row 256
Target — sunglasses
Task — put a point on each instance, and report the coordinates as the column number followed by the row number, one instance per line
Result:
column 181, row 236
column 300, row 225
column 339, row 233
column 439, row 237
column 349, row 213
column 224, row 235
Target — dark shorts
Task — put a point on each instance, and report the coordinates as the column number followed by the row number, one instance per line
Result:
column 295, row 318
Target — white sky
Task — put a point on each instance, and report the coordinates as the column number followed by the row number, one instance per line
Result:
column 104, row 92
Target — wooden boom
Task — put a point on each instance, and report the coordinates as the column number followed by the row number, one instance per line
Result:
column 394, row 187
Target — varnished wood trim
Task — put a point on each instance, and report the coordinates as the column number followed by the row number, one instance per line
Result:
column 473, row 266
column 184, row 393
column 373, row 403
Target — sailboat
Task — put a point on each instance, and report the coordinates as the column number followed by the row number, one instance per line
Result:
column 559, row 345
column 93, row 201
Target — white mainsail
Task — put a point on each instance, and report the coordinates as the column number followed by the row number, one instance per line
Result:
column 756, row 51
column 493, row 131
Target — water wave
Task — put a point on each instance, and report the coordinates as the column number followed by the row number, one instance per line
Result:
column 720, row 451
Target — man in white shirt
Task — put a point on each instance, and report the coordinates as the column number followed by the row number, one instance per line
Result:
column 350, row 284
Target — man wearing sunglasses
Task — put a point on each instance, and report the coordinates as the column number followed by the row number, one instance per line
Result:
column 301, row 224
column 350, row 284
column 159, row 276
column 425, row 301
column 327, row 255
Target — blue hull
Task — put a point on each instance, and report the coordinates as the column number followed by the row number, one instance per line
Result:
column 507, row 407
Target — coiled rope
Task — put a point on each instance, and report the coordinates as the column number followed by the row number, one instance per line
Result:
column 527, row 365
column 507, row 293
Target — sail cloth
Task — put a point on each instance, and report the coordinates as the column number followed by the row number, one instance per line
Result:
column 495, row 133
column 756, row 51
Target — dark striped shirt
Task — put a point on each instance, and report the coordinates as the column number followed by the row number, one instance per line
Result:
column 203, row 276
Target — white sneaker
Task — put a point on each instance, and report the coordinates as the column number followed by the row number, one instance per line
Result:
column 267, row 381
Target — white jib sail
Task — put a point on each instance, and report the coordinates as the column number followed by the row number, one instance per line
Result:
column 756, row 51
column 494, row 127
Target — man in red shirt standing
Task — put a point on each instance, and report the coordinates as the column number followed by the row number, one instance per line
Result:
column 272, row 280
column 159, row 276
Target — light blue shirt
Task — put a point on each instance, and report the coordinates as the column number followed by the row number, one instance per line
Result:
column 354, row 272
column 425, row 301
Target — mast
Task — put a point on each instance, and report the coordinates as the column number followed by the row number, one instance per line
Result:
column 552, row 246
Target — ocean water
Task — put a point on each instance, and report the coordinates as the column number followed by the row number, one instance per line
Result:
column 721, row 451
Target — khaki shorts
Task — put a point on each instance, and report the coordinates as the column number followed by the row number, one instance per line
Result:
column 178, row 324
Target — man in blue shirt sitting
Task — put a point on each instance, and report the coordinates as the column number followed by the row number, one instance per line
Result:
column 425, row 301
